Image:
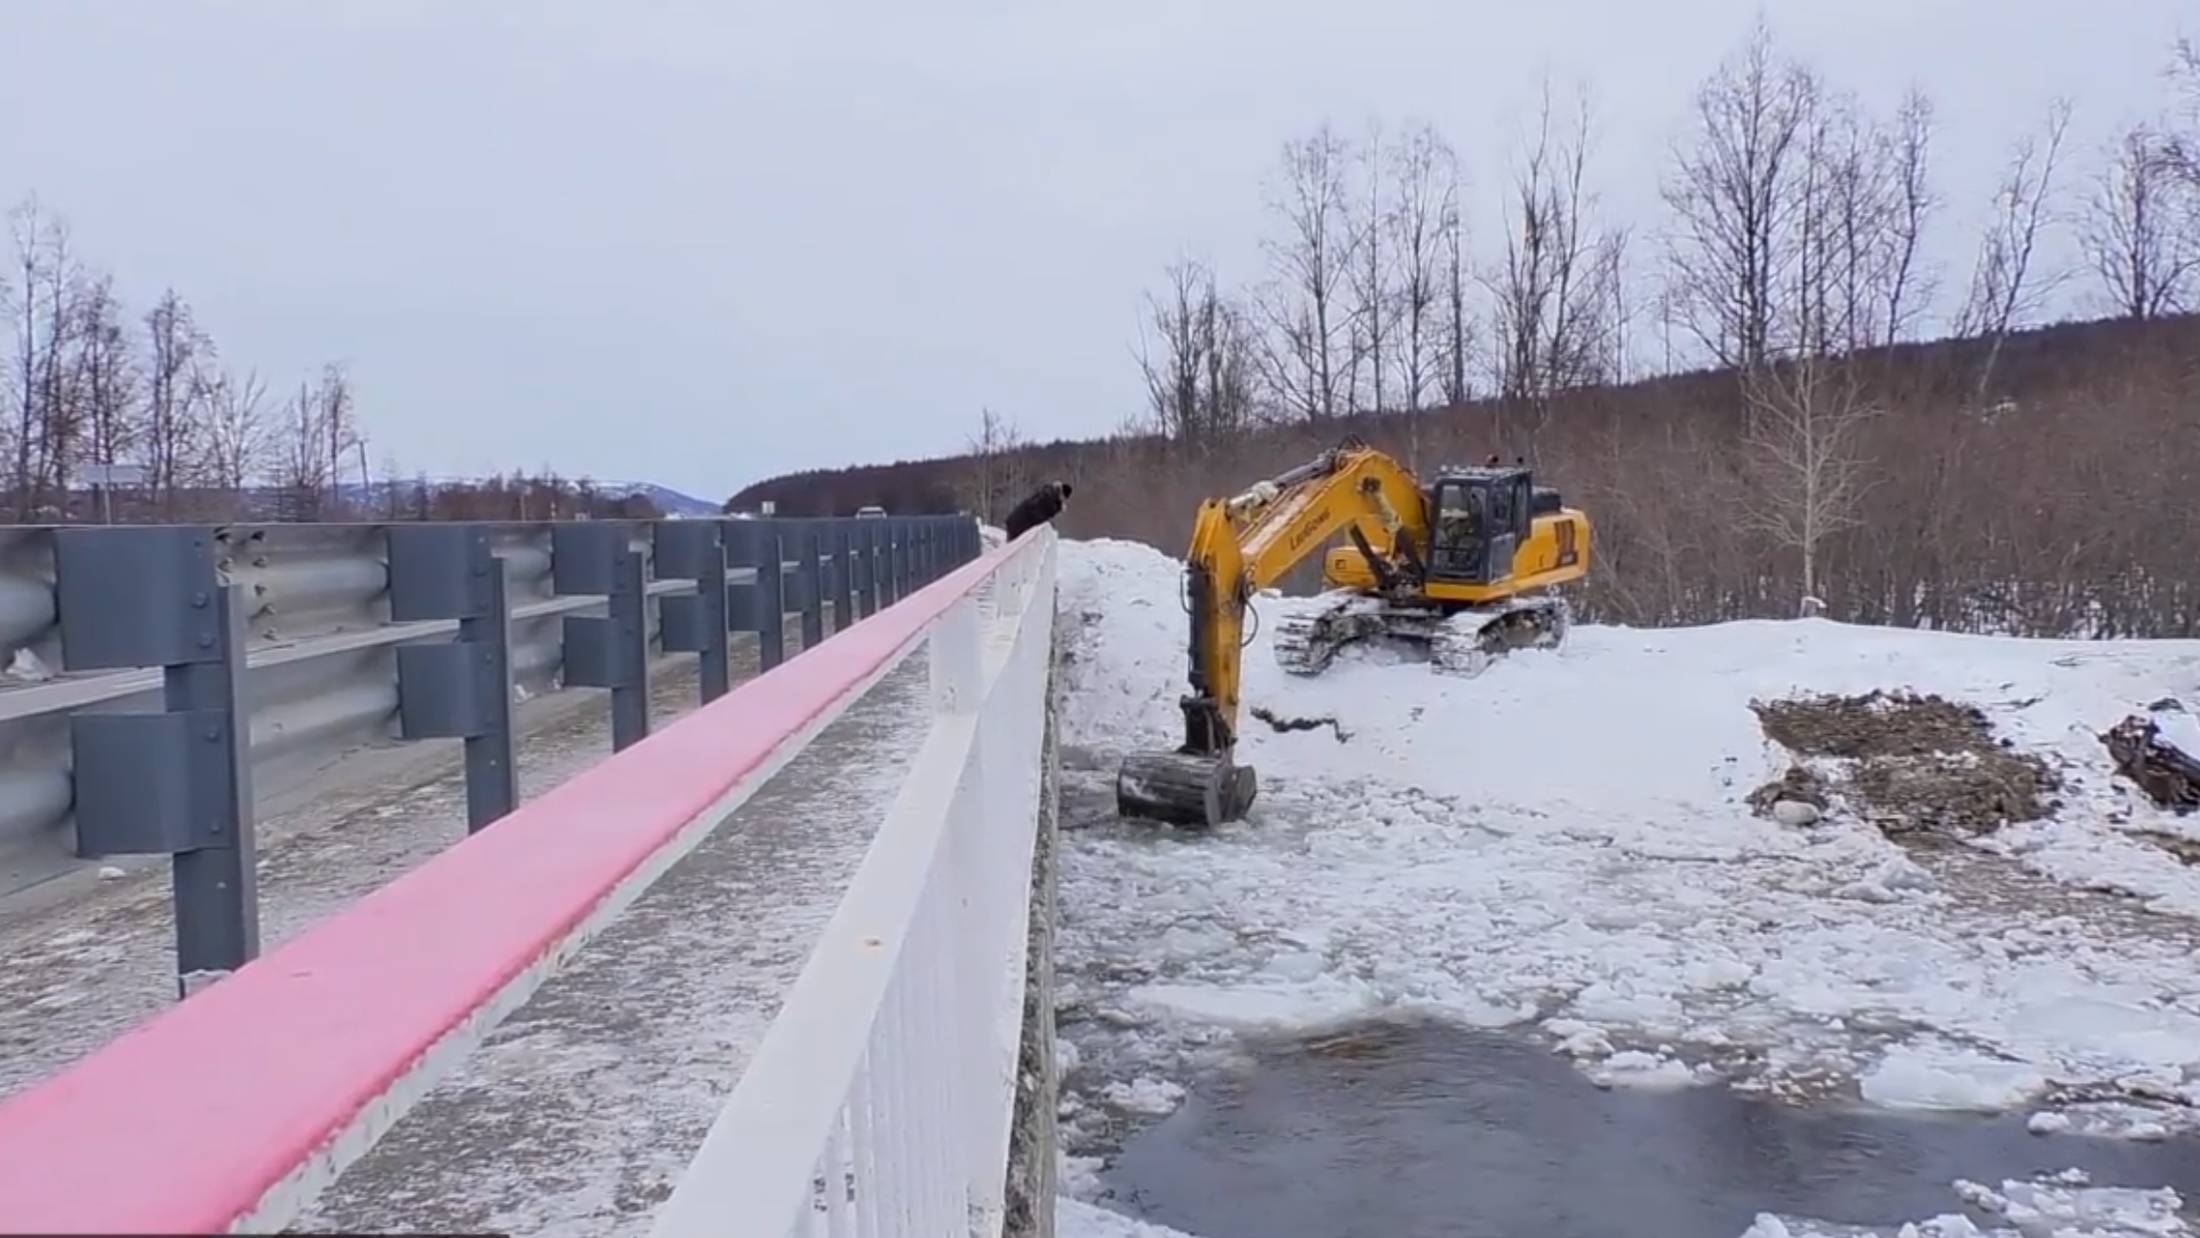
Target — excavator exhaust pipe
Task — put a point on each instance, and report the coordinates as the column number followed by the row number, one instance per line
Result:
column 1184, row 788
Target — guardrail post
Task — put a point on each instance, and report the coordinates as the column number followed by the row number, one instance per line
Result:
column 695, row 550
column 460, row 690
column 901, row 559
column 809, row 584
column 177, row 782
column 865, row 536
column 759, row 606
column 587, row 557
column 844, row 576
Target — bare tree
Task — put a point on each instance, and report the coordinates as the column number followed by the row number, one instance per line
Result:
column 1458, row 340
column 1423, row 216
column 46, row 287
column 108, row 378
column 1305, row 351
column 177, row 355
column 1370, row 284
column 2137, row 228
column 1551, row 288
column 61, row 404
column 1910, row 284
column 1734, row 200
column 29, row 258
column 1199, row 388
column 302, row 465
column 236, row 440
column 2005, row 289
column 339, row 426
column 2183, row 145
column 997, row 467
column 1802, row 442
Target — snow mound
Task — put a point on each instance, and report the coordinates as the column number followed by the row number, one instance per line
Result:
column 1074, row 1219
column 1122, row 606
column 2062, row 1206
column 1564, row 843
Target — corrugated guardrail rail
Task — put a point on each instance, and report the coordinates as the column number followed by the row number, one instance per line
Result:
column 135, row 654
column 879, row 1101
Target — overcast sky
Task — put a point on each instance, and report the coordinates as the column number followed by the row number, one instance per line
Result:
column 699, row 243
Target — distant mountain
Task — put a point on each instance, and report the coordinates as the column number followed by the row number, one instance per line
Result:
column 667, row 500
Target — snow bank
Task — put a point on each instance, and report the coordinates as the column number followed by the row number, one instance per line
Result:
column 1073, row 1219
column 2062, row 1206
column 1564, row 842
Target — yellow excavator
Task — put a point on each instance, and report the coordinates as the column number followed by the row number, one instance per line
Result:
column 1458, row 567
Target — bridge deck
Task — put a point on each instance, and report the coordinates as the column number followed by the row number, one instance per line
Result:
column 580, row 1111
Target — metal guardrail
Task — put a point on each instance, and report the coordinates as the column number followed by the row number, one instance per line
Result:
column 135, row 654
column 178, row 1128
column 880, row 1101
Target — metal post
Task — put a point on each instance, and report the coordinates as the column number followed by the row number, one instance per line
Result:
column 217, row 887
column 771, row 599
column 177, row 782
column 695, row 550
column 866, row 542
column 461, row 690
column 844, row 576
column 813, row 586
column 901, row 561
column 758, row 605
column 630, row 629
column 587, row 557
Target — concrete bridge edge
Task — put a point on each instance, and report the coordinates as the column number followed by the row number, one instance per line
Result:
column 1032, row 1157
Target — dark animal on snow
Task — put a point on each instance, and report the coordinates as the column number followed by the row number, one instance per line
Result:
column 1044, row 504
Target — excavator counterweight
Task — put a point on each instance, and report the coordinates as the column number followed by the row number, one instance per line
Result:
column 1458, row 568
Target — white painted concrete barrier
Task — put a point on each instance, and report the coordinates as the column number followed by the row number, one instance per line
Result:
column 879, row 1102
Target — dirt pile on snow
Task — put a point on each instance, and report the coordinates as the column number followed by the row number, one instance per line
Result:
column 1910, row 763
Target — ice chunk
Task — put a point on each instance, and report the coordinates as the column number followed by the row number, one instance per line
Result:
column 1932, row 1077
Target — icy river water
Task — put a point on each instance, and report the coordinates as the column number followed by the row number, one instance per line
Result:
column 1421, row 1129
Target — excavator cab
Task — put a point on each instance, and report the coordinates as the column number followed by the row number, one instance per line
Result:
column 1480, row 516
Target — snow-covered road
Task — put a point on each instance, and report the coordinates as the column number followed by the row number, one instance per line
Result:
column 1564, row 846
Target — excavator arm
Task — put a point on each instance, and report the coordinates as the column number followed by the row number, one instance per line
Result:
column 1240, row 546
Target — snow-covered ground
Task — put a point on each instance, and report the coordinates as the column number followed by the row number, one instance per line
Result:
column 1563, row 845
column 2056, row 1206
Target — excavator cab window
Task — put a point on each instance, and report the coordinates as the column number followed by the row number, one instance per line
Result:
column 1462, row 514
column 1481, row 516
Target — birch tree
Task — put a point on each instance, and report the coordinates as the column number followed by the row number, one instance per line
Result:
column 1803, row 447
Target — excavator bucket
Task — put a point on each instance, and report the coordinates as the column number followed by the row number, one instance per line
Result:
column 1184, row 788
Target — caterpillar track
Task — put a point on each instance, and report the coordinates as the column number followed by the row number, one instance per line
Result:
column 1462, row 642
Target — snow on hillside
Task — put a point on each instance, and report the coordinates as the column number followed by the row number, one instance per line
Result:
column 1563, row 845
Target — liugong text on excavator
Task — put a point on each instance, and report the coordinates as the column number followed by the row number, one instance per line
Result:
column 1461, row 567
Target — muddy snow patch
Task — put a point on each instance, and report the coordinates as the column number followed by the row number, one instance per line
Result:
column 1282, row 724
column 1907, row 762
